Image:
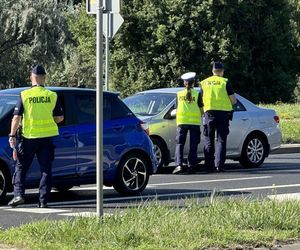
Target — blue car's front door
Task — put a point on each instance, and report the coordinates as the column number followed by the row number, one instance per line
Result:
column 85, row 106
column 64, row 165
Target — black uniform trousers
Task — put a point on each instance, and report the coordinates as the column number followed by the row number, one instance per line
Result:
column 43, row 148
column 195, row 133
column 215, row 121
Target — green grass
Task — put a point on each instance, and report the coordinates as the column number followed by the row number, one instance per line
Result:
column 289, row 121
column 161, row 226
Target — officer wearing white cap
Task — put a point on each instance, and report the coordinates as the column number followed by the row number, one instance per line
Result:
column 218, row 98
column 40, row 112
column 188, row 119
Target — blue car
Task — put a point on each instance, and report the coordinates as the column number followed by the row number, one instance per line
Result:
column 128, row 152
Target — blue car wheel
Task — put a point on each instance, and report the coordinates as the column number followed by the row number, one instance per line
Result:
column 132, row 174
column 3, row 183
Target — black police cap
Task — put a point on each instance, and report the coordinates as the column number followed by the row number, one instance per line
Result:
column 218, row 65
column 38, row 70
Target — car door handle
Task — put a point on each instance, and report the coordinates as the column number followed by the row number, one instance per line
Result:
column 118, row 128
column 245, row 119
column 66, row 135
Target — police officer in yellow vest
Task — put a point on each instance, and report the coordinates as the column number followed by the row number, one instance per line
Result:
column 41, row 112
column 218, row 98
column 188, row 119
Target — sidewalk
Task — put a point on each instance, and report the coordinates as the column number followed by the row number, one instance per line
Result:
column 287, row 149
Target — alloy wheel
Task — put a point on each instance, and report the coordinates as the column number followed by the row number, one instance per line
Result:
column 134, row 174
column 255, row 150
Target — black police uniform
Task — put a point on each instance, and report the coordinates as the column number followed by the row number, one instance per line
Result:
column 43, row 148
column 216, row 121
column 195, row 134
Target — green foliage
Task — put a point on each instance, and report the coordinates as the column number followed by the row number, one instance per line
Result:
column 81, row 65
column 31, row 32
column 160, row 40
column 289, row 115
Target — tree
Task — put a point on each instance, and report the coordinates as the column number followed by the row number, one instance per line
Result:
column 31, row 32
column 81, row 64
column 258, row 41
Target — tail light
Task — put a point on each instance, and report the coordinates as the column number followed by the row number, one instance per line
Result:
column 145, row 127
column 276, row 119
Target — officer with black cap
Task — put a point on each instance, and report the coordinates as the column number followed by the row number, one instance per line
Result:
column 218, row 98
column 39, row 110
column 188, row 119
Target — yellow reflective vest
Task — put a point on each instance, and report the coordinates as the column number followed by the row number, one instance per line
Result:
column 188, row 113
column 38, row 121
column 214, row 95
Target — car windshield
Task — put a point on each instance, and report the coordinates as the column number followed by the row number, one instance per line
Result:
column 7, row 103
column 148, row 104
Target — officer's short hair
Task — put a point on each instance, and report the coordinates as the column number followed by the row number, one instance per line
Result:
column 38, row 70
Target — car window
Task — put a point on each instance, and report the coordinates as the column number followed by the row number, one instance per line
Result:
column 149, row 103
column 106, row 108
column 61, row 101
column 85, row 108
column 238, row 106
column 114, row 108
column 7, row 103
column 119, row 109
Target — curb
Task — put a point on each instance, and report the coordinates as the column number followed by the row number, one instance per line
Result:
column 293, row 246
column 287, row 149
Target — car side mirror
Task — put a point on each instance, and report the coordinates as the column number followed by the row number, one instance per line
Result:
column 173, row 113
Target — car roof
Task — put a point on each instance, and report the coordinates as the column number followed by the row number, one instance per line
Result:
column 244, row 101
column 17, row 91
column 169, row 90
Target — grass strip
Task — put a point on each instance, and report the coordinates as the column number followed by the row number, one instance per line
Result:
column 289, row 120
column 222, row 224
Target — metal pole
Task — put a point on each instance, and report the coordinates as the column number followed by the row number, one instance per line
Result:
column 107, row 51
column 99, row 113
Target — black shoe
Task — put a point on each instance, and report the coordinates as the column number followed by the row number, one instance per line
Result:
column 178, row 170
column 221, row 170
column 191, row 170
column 42, row 205
column 16, row 201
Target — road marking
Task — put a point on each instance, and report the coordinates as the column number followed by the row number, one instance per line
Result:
column 85, row 214
column 36, row 210
column 179, row 183
column 208, row 181
column 274, row 186
column 284, row 197
column 34, row 191
column 90, row 188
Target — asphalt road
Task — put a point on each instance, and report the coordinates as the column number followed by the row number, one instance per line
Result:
column 278, row 177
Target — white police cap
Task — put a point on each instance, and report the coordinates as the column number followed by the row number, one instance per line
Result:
column 188, row 76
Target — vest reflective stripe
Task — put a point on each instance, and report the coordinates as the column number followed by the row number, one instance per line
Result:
column 38, row 119
column 215, row 95
column 188, row 113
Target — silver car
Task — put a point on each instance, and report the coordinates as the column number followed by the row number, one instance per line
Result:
column 254, row 131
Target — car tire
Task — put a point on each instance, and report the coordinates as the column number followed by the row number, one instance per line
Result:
column 4, row 183
column 161, row 153
column 63, row 189
column 132, row 174
column 254, row 151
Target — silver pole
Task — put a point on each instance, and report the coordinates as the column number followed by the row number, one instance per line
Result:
column 99, row 113
column 107, row 51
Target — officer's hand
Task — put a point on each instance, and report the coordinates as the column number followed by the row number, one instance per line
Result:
column 12, row 142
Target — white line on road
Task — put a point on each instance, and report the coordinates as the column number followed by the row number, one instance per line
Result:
column 261, row 188
column 180, row 183
column 36, row 210
column 208, row 181
column 85, row 214
column 284, row 197
column 148, row 197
